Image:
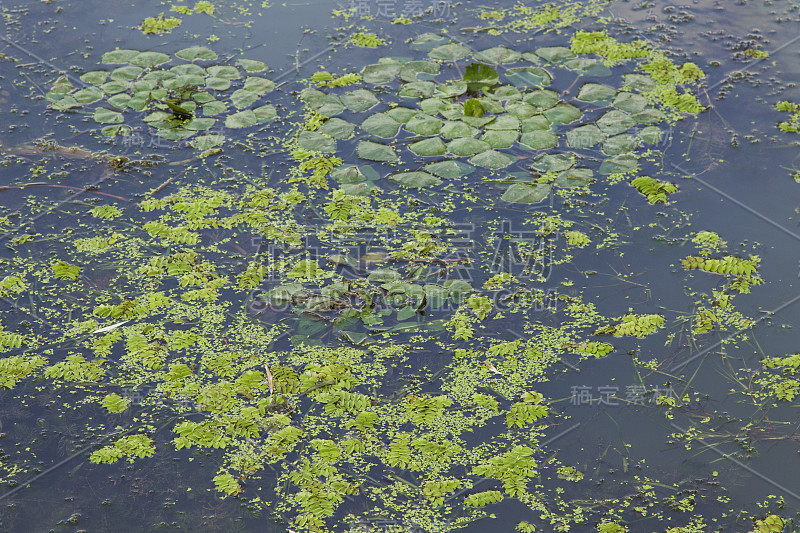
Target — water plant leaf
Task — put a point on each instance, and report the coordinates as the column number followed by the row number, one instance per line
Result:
column 114, row 87
column 619, row 163
column 265, row 113
column 424, row 125
column 193, row 53
column 415, row 179
column 527, row 77
column 95, row 77
column 525, row 193
column 242, row 119
column 480, row 77
column 453, row 129
column 563, row 114
column 467, row 146
column 449, row 169
column 554, row 162
column 428, row 147
column 630, row 102
column 250, row 65
column 401, row 114
column 651, row 134
column 649, row 116
column 574, row 177
column 640, row 82
column 417, row 89
column 337, row 128
column 328, row 105
column 497, row 55
column 474, row 108
column 615, row 122
column 412, row 70
column 373, row 151
column 215, row 107
column 149, row 59
column 554, row 54
column 359, row 100
column 380, row 73
column 260, row 86
column 596, row 92
column 449, row 52
column 620, row 144
column 218, row 84
column 118, row 56
column 535, row 123
column 500, row 138
column 539, row 140
column 491, row 159
column 200, row 124
column 88, row 95
column 242, row 98
column 521, row 110
column 584, row 136
column 106, row 116
column 381, row 125
column 205, row 142
column 224, row 71
column 315, row 142
column 588, row 67
column 505, row 92
column 452, row 89
column 120, row 100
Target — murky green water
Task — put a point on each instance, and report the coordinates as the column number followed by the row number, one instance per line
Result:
column 366, row 285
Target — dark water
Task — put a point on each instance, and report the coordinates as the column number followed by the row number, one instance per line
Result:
column 731, row 163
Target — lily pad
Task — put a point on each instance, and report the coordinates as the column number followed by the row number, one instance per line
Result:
column 563, row 114
column 541, row 99
column 491, row 159
column 242, row 119
column 113, row 131
column 615, row 122
column 315, row 141
column 189, row 69
column 120, row 100
column 88, row 95
column 539, row 140
column 250, row 65
column 479, row 77
column 224, row 71
column 588, row 67
column 260, row 86
column 149, row 59
column 521, row 110
column 453, row 129
column 619, row 163
column 596, row 92
column 359, row 100
column 554, row 53
column 491, row 106
column 536, row 123
column 640, row 82
column 402, row 114
column 649, row 116
column 265, row 113
column 467, row 146
column 417, row 89
column 450, row 90
column 426, row 41
column 114, row 87
column 243, row 98
column 528, row 77
column 574, row 177
column 380, row 73
column 651, row 134
column 424, row 125
column 584, row 136
column 197, row 52
column 95, row 77
column 554, row 162
column 119, row 56
column 428, row 147
column 498, row 55
column 505, row 92
column 449, row 52
column 328, row 105
column 215, row 107
column 106, row 116
column 381, row 125
column 449, row 169
column 524, row 193
column 432, row 105
column 337, row 128
column 64, row 103
column 415, row 179
column 630, row 102
column 373, row 151
column 204, row 142
column 620, row 144
column 504, row 122
column 412, row 70
column 500, row 138
column 348, row 174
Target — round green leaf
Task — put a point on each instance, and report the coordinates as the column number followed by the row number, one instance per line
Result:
column 415, row 180
column 619, row 163
column 574, row 177
column 498, row 55
column 324, row 104
column 449, row 52
column 224, row 71
column 596, row 92
column 521, row 110
column 620, row 144
column 120, row 101
column 118, row 56
column 380, row 73
column 214, row 107
column 204, row 142
column 348, row 174
column 424, row 125
column 126, row 73
column 337, row 128
column 88, row 95
column 504, row 122
column 630, row 102
column 188, row 69
column 149, row 59
column 243, row 98
column 524, row 193
column 242, row 119
column 651, row 134
column 218, row 84
column 64, row 103
column 196, row 52
column 541, row 99
column 412, row 70
column 584, row 136
column 113, row 131
column 381, row 125
column 265, row 113
column 505, row 92
column 401, row 114
column 260, row 86
column 250, row 65
column 428, row 147
column 453, row 129
column 200, row 124
column 537, row 123
column 554, row 162
column 640, row 82
column 526, row 77
column 114, row 87
column 106, row 116
column 588, row 67
column 359, row 100
column 554, row 53
column 649, row 116
column 373, row 151
column 315, row 141
column 500, row 138
column 467, row 146
column 538, row 140
column 449, row 169
column 563, row 114
column 417, row 89
column 453, row 89
column 95, row 77
column 491, row 159
column 615, row 122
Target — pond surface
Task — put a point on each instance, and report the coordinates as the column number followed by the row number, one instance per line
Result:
column 399, row 266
